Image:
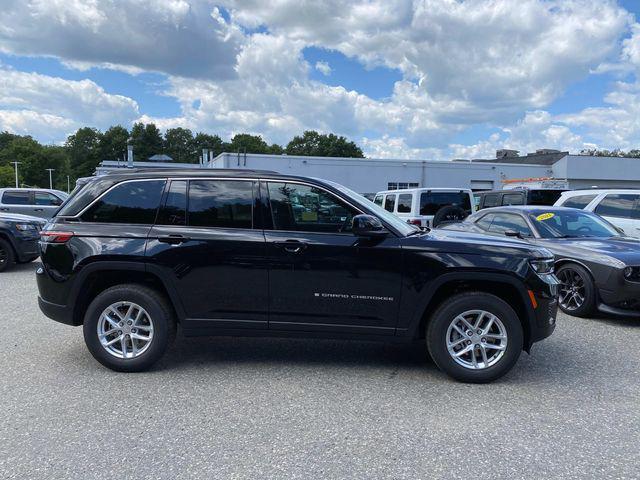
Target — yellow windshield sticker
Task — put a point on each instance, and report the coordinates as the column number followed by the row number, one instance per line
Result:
column 544, row 216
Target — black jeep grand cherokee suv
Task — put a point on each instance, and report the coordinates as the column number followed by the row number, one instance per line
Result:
column 223, row 252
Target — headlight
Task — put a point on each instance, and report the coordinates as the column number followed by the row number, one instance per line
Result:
column 543, row 266
column 26, row 227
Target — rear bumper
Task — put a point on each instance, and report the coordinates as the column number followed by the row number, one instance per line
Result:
column 59, row 313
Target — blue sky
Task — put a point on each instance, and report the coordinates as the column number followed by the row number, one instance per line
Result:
column 457, row 79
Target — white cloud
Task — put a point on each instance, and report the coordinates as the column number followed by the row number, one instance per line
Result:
column 323, row 68
column 496, row 63
column 173, row 36
column 50, row 108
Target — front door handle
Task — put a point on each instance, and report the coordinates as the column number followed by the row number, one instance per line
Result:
column 4, row 209
column 173, row 239
column 38, row 209
column 291, row 246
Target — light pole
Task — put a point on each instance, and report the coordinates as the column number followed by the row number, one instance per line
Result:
column 68, row 183
column 15, row 164
column 50, row 177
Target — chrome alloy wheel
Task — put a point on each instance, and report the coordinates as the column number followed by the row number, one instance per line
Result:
column 572, row 290
column 125, row 330
column 476, row 339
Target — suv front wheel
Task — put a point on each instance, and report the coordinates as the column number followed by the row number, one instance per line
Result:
column 475, row 337
column 128, row 327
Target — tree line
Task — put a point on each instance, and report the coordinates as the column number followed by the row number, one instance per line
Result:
column 87, row 147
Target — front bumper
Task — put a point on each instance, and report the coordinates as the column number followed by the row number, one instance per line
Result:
column 544, row 293
column 26, row 247
column 619, row 297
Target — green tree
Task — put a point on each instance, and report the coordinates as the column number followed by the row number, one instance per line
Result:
column 178, row 144
column 146, row 141
column 83, row 148
column 313, row 143
column 113, row 143
column 213, row 143
column 7, row 176
column 244, row 142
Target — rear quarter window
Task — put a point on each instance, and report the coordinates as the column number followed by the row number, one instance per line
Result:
column 404, row 203
column 619, row 205
column 129, row 202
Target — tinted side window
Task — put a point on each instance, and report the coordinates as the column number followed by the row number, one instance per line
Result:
column 46, row 198
column 507, row 221
column 490, row 200
column 174, row 211
column 404, row 203
column 221, row 203
column 16, row 198
column 129, row 202
column 618, row 205
column 544, row 197
column 513, row 199
column 378, row 200
column 390, row 203
column 306, row 208
column 579, row 201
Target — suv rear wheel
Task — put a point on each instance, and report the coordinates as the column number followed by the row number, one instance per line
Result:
column 475, row 337
column 128, row 327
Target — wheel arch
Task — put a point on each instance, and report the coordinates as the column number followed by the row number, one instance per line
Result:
column 502, row 286
column 95, row 278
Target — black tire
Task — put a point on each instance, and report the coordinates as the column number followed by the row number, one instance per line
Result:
column 164, row 326
column 578, row 274
column 7, row 256
column 449, row 214
column 436, row 336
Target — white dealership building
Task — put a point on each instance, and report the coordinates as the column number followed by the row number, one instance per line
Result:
column 371, row 175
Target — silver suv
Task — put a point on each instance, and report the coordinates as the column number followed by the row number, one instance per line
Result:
column 38, row 202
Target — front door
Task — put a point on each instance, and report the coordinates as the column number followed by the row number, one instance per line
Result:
column 321, row 276
column 204, row 242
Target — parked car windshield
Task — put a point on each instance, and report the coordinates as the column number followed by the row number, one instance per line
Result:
column 571, row 224
column 403, row 227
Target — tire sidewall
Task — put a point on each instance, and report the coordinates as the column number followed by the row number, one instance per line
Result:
column 439, row 325
column 161, row 328
column 589, row 291
column 438, row 218
column 4, row 245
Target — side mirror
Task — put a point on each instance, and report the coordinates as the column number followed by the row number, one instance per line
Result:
column 368, row 226
column 513, row 233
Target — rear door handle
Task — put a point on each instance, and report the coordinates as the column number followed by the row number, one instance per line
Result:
column 291, row 246
column 173, row 239
column 4, row 209
column 38, row 209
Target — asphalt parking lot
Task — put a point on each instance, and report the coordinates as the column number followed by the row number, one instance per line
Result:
column 263, row 408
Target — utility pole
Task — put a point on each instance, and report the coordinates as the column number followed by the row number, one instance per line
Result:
column 15, row 164
column 68, row 184
column 50, row 177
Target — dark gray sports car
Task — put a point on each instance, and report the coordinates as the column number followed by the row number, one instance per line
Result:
column 598, row 266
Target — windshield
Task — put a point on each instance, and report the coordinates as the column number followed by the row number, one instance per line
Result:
column 403, row 227
column 571, row 224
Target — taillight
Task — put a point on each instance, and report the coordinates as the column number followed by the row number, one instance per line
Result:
column 55, row 237
column 415, row 221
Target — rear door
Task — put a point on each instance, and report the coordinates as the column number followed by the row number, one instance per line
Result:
column 321, row 276
column 17, row 201
column 207, row 242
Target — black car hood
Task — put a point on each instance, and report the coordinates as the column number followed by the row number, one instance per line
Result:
column 467, row 239
column 625, row 249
